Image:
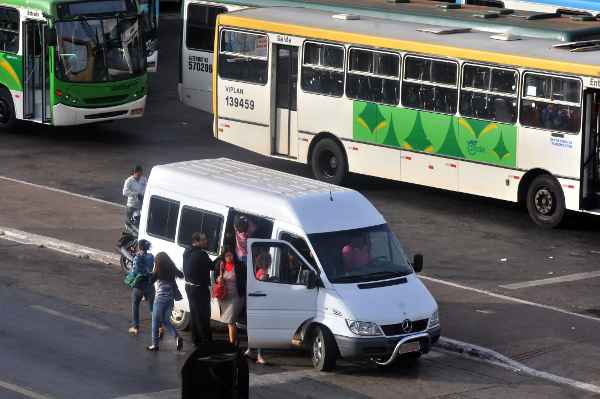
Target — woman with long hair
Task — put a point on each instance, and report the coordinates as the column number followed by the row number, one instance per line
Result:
column 232, row 274
column 164, row 276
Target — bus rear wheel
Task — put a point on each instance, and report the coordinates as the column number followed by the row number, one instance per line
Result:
column 546, row 201
column 7, row 111
column 328, row 162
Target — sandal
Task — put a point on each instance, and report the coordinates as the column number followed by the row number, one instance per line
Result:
column 152, row 348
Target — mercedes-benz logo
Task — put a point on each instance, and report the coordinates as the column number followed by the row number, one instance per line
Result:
column 406, row 326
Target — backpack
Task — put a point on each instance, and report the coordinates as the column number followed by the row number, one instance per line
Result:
column 215, row 370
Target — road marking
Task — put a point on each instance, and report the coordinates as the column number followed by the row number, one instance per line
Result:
column 490, row 356
column 22, row 391
column 69, row 317
column 509, row 298
column 55, row 244
column 58, row 190
column 552, row 280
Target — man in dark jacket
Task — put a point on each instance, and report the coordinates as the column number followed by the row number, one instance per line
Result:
column 196, row 268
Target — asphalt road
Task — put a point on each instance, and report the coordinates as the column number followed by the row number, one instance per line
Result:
column 63, row 336
column 466, row 240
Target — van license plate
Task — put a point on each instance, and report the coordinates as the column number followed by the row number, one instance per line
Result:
column 409, row 347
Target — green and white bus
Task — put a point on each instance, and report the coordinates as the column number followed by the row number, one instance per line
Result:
column 199, row 16
column 456, row 109
column 70, row 62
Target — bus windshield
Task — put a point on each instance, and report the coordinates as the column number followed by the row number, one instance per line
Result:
column 359, row 255
column 99, row 49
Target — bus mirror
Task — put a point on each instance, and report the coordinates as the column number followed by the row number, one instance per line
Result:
column 50, row 37
column 417, row 263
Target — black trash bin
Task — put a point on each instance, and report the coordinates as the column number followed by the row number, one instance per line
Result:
column 215, row 370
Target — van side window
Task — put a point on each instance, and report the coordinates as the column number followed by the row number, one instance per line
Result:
column 196, row 220
column 200, row 29
column 162, row 218
column 300, row 245
column 277, row 264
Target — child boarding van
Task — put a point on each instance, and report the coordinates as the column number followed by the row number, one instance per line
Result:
column 333, row 277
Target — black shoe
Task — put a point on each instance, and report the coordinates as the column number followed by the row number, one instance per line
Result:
column 152, row 348
column 179, row 344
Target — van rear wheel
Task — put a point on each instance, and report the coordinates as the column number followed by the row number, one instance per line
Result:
column 324, row 349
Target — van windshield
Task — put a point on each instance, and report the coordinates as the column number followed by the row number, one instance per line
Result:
column 360, row 255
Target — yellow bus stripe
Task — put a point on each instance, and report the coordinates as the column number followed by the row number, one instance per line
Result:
column 411, row 46
column 9, row 69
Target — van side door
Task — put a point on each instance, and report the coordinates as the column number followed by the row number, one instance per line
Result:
column 281, row 293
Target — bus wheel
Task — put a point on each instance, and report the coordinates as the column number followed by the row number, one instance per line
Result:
column 328, row 162
column 545, row 201
column 7, row 110
column 180, row 318
column 324, row 349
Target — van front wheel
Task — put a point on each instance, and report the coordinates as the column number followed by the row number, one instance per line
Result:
column 328, row 162
column 324, row 350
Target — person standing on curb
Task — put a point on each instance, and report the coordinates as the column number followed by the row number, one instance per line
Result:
column 196, row 269
column 134, row 188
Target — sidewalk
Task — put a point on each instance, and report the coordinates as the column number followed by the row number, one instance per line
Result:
column 565, row 345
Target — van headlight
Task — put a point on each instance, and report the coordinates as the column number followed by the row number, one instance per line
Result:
column 364, row 328
column 434, row 320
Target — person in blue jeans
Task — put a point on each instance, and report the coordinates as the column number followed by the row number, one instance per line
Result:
column 143, row 262
column 164, row 276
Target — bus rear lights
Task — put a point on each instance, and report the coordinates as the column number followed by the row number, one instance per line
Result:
column 137, row 111
column 59, row 93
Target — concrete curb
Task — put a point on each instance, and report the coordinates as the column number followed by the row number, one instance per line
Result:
column 65, row 247
column 490, row 356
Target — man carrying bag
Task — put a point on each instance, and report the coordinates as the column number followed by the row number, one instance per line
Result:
column 196, row 268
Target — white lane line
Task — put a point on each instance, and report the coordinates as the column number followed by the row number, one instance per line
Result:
column 22, row 391
column 70, row 318
column 489, row 356
column 552, row 280
column 168, row 394
column 66, row 247
column 58, row 190
column 509, row 298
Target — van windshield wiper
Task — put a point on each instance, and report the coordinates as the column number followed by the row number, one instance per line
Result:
column 369, row 276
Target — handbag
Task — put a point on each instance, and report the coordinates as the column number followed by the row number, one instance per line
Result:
column 132, row 279
column 218, row 289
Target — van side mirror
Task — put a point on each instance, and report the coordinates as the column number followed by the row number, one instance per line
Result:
column 417, row 263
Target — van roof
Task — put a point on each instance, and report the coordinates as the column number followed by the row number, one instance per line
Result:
column 300, row 201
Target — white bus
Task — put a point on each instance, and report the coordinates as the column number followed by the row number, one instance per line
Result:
column 460, row 110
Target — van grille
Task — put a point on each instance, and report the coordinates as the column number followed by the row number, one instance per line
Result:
column 396, row 329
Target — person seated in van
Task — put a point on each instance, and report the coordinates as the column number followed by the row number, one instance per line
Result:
column 356, row 254
column 244, row 228
column 164, row 276
column 233, row 274
column 143, row 263
column 294, row 266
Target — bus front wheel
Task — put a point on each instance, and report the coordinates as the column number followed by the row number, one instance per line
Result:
column 546, row 201
column 7, row 110
column 328, row 162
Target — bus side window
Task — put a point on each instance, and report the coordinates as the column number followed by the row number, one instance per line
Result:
column 551, row 103
column 244, row 57
column 374, row 76
column 489, row 93
column 430, row 85
column 323, row 69
column 200, row 26
column 9, row 30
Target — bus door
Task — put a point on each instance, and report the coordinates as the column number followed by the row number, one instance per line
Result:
column 36, row 82
column 286, row 128
column 591, row 151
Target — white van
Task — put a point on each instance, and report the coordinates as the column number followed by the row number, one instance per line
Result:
column 339, row 282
